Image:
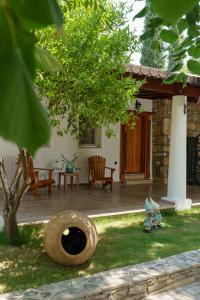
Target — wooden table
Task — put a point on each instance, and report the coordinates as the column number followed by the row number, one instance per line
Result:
column 71, row 175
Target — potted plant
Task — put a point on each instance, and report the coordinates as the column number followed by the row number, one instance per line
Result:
column 69, row 165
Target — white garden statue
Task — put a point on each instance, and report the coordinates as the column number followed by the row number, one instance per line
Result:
column 1, row 223
column 153, row 216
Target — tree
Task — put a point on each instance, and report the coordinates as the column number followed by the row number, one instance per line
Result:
column 13, row 195
column 103, row 58
column 91, row 88
column 181, row 22
column 23, row 119
column 152, row 49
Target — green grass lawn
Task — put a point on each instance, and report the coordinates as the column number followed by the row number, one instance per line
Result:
column 121, row 242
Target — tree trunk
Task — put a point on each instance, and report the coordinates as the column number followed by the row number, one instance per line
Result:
column 11, row 228
column 13, row 195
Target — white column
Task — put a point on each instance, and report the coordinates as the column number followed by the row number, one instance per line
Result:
column 177, row 184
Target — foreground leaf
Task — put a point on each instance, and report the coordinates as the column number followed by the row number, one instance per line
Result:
column 45, row 61
column 194, row 66
column 172, row 11
column 171, row 79
column 38, row 13
column 194, row 51
column 168, row 36
column 182, row 25
column 27, row 124
column 147, row 35
column 141, row 13
column 177, row 67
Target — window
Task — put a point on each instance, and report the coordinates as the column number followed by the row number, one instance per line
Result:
column 91, row 138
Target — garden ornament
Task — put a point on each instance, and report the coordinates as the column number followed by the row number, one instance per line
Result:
column 70, row 238
column 148, row 220
column 1, row 224
column 153, row 216
column 157, row 218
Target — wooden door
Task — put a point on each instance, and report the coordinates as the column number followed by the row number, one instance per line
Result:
column 135, row 146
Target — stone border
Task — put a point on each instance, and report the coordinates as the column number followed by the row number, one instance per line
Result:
column 131, row 282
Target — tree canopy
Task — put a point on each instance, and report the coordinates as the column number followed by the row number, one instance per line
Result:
column 90, row 89
column 152, row 50
column 178, row 22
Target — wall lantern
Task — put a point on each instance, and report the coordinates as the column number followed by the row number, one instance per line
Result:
column 138, row 105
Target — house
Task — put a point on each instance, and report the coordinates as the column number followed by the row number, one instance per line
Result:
column 155, row 150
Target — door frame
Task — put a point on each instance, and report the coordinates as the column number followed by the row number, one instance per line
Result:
column 147, row 148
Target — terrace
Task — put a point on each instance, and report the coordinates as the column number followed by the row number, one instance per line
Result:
column 124, row 198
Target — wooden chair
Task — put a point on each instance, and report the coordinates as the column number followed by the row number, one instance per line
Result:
column 97, row 167
column 36, row 182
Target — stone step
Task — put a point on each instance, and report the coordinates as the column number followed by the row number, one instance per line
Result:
column 136, row 282
column 187, row 292
column 134, row 176
column 139, row 181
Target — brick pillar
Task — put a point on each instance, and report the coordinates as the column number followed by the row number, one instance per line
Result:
column 193, row 120
column 161, row 139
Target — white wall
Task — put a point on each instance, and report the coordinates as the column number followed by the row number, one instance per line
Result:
column 46, row 156
column 146, row 104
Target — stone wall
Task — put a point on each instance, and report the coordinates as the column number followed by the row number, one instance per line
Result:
column 135, row 282
column 193, row 120
column 161, row 135
column 161, row 139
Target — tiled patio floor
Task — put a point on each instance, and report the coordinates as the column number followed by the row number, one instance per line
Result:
column 100, row 201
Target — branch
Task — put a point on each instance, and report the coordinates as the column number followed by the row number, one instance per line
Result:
column 23, row 170
column 4, row 182
column 24, row 157
column 20, row 193
column 16, row 179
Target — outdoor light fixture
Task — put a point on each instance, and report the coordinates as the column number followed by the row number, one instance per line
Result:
column 138, row 105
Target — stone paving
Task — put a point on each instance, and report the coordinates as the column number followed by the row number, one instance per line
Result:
column 131, row 282
column 188, row 292
column 123, row 198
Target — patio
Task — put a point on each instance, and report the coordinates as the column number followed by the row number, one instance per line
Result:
column 124, row 198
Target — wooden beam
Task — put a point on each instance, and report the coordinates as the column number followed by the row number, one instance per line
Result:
column 156, row 85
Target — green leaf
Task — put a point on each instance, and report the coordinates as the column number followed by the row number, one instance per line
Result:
column 177, row 67
column 178, row 53
column 194, row 66
column 170, row 79
column 172, row 11
column 181, row 77
column 182, row 25
column 147, row 35
column 186, row 43
column 193, row 31
column 38, row 13
column 23, row 120
column 155, row 44
column 168, row 36
column 194, row 51
column 45, row 61
column 141, row 13
column 179, row 58
column 153, row 23
column 27, row 41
